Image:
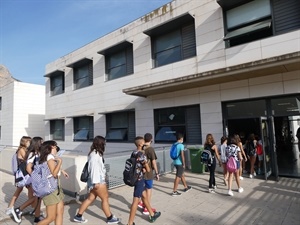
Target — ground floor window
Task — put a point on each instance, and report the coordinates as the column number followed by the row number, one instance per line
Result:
column 83, row 128
column 181, row 119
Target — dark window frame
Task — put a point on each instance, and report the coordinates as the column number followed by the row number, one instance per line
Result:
column 57, row 125
column 122, row 130
column 56, row 87
column 166, row 124
column 82, row 133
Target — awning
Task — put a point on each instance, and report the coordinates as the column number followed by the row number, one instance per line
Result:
column 115, row 48
column 59, row 118
column 117, row 111
column 81, row 115
column 80, row 63
column 228, row 4
column 55, row 73
column 248, row 29
column 169, row 25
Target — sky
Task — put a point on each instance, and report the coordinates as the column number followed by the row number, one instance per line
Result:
column 34, row 33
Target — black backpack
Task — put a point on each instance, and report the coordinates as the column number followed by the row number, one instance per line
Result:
column 130, row 176
column 206, row 156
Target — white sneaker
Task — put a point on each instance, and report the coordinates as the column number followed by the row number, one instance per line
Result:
column 8, row 211
column 251, row 176
column 210, row 190
column 241, row 178
column 230, row 193
column 215, row 187
column 254, row 174
column 240, row 190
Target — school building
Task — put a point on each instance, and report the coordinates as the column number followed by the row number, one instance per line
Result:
column 196, row 67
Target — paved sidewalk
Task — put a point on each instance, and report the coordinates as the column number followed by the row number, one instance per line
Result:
column 261, row 203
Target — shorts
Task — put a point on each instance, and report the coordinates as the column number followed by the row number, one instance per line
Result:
column 260, row 157
column 54, row 198
column 149, row 184
column 139, row 187
column 91, row 186
column 179, row 170
column 238, row 164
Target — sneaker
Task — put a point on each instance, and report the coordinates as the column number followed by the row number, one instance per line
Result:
column 141, row 205
column 38, row 219
column 146, row 212
column 211, row 190
column 79, row 219
column 241, row 178
column 8, row 211
column 230, row 193
column 215, row 187
column 176, row 193
column 240, row 190
column 251, row 176
column 17, row 213
column 254, row 174
column 154, row 217
column 113, row 220
column 187, row 189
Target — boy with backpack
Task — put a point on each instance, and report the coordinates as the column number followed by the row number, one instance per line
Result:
column 139, row 186
column 179, row 164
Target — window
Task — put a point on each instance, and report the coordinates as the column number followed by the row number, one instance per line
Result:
column 57, row 129
column 173, row 41
column 57, row 83
column 248, row 22
column 83, row 128
column 120, row 126
column 118, row 60
column 82, row 73
column 0, row 103
column 170, row 121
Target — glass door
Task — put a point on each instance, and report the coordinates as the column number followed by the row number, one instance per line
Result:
column 269, row 147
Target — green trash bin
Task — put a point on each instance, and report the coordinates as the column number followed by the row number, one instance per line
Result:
column 197, row 166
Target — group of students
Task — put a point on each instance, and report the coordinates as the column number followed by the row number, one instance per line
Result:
column 233, row 147
column 31, row 152
column 35, row 151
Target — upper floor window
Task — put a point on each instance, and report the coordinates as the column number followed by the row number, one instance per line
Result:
column 83, row 128
column 57, row 82
column 183, row 119
column 173, row 41
column 118, row 60
column 57, row 129
column 120, row 126
column 82, row 73
column 250, row 20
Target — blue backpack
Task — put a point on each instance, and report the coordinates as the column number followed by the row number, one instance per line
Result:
column 43, row 182
column 173, row 152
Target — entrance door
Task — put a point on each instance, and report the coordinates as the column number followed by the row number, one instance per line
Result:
column 269, row 150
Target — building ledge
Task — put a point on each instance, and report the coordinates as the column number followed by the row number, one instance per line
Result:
column 259, row 68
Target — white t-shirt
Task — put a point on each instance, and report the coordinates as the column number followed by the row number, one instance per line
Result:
column 50, row 156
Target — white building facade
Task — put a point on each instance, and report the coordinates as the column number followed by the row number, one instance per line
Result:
column 194, row 67
column 22, row 112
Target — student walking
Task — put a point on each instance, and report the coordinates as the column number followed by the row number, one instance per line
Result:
column 148, row 176
column 251, row 152
column 224, row 158
column 179, row 164
column 32, row 157
column 243, row 154
column 139, row 187
column 21, row 161
column 233, row 150
column 54, row 201
column 96, row 182
column 211, row 145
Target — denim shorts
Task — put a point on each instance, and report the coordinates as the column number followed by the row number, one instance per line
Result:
column 91, row 186
column 149, row 184
column 139, row 187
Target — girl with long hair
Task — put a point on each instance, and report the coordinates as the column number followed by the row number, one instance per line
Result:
column 54, row 201
column 96, row 182
column 211, row 145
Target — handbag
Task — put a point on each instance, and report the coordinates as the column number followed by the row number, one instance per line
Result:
column 85, row 173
